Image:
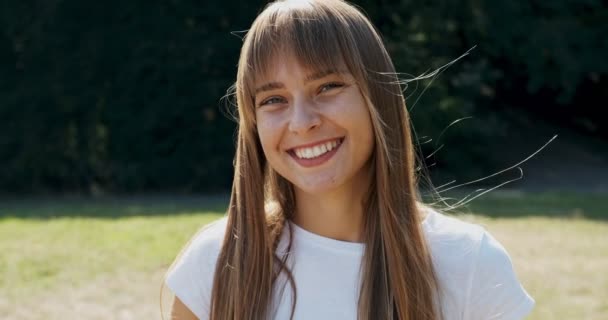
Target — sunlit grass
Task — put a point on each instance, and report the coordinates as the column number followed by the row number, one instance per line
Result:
column 558, row 244
column 57, row 246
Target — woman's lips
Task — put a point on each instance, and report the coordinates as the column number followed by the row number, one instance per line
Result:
column 314, row 161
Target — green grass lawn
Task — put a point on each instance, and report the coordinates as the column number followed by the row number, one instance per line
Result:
column 558, row 243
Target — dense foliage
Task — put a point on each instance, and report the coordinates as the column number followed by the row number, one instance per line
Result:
column 126, row 96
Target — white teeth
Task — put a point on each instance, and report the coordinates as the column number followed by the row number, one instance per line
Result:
column 313, row 152
column 317, row 151
column 308, row 153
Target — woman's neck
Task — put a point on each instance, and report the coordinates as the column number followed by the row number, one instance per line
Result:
column 337, row 214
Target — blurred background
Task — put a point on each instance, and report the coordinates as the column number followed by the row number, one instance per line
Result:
column 116, row 143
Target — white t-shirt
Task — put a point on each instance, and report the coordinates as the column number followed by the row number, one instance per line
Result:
column 473, row 269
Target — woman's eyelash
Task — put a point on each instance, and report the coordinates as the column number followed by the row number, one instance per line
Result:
column 331, row 85
column 323, row 88
column 267, row 101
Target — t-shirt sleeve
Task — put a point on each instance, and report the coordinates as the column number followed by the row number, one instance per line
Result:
column 191, row 276
column 495, row 291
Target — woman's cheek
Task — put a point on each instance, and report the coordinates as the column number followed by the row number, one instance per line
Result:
column 269, row 127
column 339, row 109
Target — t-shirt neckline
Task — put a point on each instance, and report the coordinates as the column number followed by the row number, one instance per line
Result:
column 302, row 235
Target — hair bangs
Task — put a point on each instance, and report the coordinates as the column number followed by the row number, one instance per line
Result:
column 307, row 32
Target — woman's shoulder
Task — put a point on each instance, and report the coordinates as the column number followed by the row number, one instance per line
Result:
column 208, row 240
column 442, row 227
column 469, row 260
column 203, row 248
column 456, row 244
column 453, row 239
column 191, row 275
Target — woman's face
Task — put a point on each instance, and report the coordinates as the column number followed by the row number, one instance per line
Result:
column 315, row 128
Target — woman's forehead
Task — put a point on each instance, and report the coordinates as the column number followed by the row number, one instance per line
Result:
column 269, row 70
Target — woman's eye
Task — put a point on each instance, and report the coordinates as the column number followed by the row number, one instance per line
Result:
column 331, row 85
column 272, row 100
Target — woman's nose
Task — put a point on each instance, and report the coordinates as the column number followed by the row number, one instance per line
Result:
column 304, row 117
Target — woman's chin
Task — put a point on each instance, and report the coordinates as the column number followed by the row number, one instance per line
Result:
column 318, row 188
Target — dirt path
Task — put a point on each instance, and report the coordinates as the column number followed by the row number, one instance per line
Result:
column 571, row 162
column 127, row 296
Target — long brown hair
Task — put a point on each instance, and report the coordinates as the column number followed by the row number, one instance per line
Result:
column 398, row 280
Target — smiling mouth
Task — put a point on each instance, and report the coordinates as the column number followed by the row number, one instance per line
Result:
column 316, row 150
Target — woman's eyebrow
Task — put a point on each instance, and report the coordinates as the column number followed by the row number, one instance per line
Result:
column 312, row 77
column 319, row 75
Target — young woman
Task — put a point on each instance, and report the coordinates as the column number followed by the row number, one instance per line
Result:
column 324, row 221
